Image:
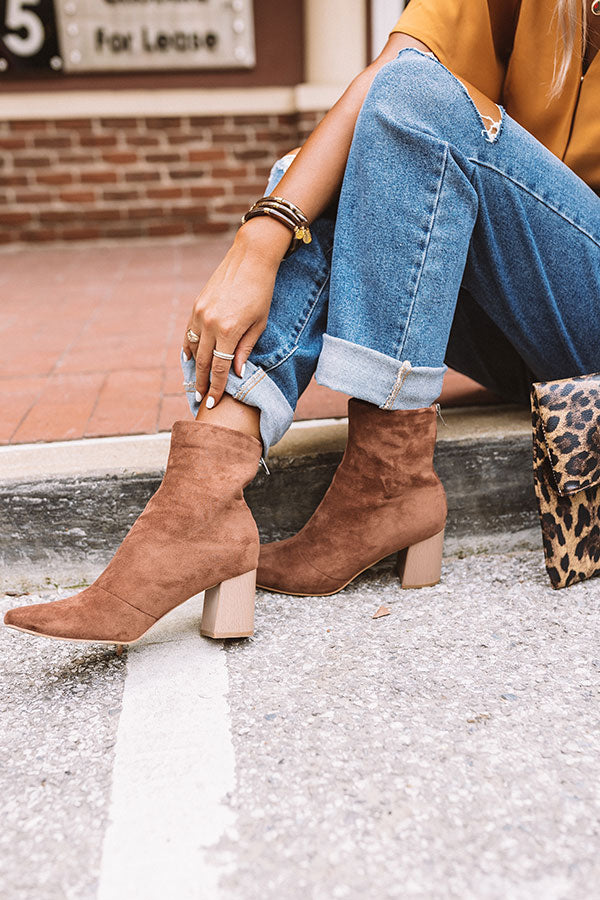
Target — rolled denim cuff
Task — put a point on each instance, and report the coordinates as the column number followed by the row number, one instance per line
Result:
column 254, row 389
column 372, row 376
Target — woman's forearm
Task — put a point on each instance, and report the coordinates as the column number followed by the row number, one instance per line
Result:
column 315, row 176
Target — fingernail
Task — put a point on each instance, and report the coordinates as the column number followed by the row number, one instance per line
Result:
column 242, row 370
column 210, row 402
column 198, row 397
column 185, row 356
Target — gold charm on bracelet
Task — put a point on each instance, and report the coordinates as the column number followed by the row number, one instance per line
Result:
column 302, row 233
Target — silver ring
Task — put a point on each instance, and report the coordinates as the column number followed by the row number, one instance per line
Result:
column 220, row 355
column 192, row 337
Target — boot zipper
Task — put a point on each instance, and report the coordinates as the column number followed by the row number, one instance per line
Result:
column 438, row 410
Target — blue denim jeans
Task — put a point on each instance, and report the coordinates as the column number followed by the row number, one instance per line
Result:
column 450, row 244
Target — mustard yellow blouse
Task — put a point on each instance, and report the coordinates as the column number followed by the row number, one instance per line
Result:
column 506, row 49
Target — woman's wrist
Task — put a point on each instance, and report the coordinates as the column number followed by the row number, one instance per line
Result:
column 264, row 236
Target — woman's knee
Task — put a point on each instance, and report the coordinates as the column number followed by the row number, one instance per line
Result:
column 415, row 90
column 411, row 84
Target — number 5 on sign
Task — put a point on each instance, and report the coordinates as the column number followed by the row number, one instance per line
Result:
column 27, row 28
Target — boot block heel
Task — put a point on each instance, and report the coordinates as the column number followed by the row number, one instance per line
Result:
column 229, row 608
column 421, row 565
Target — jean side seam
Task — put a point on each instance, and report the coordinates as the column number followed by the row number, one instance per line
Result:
column 304, row 324
column 247, row 386
column 342, row 365
column 256, row 381
column 400, row 379
column 425, row 250
column 537, row 197
column 313, row 305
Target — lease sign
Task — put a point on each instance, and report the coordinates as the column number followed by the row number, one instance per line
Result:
column 115, row 35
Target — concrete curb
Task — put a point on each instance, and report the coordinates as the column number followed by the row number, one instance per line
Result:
column 72, row 502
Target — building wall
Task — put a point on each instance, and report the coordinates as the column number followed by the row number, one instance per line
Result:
column 75, row 179
column 179, row 153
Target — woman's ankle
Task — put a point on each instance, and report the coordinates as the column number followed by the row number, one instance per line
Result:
column 231, row 413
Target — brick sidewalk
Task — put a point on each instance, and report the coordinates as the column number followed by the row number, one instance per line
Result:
column 91, row 336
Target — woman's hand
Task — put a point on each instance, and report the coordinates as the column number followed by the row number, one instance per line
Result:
column 230, row 313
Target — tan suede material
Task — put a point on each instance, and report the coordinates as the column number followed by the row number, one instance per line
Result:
column 385, row 496
column 91, row 615
column 195, row 532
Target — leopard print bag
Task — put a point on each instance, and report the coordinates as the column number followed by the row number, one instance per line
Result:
column 566, row 474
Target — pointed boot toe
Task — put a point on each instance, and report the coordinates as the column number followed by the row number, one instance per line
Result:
column 92, row 615
column 21, row 617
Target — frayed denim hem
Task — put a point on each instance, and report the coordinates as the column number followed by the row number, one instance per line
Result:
column 372, row 376
column 254, row 389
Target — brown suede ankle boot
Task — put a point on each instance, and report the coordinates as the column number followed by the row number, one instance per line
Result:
column 195, row 534
column 385, row 496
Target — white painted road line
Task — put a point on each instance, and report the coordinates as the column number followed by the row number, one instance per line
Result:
column 174, row 764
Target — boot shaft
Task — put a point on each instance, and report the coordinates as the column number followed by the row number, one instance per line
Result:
column 395, row 446
column 211, row 458
column 196, row 530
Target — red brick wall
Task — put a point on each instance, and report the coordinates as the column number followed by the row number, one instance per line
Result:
column 111, row 178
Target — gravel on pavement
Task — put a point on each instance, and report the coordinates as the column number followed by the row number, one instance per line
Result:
column 450, row 749
column 59, row 711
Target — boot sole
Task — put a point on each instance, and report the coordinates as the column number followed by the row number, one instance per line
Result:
column 410, row 587
column 53, row 637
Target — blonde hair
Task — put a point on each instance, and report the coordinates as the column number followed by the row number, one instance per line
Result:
column 569, row 12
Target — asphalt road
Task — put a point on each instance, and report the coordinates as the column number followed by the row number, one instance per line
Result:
column 450, row 749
